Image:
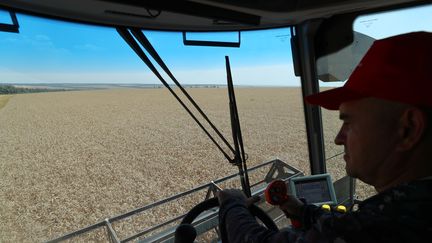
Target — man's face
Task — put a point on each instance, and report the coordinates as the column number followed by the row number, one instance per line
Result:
column 368, row 135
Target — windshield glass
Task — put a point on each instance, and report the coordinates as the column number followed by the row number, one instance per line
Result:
column 88, row 132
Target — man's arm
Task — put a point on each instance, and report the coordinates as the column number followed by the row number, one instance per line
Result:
column 239, row 224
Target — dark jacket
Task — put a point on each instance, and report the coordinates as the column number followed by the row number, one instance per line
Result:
column 400, row 214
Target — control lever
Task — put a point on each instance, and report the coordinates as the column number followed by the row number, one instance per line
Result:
column 276, row 194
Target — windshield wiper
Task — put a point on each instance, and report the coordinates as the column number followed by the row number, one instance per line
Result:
column 239, row 154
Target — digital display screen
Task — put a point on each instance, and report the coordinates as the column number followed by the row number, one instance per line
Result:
column 314, row 191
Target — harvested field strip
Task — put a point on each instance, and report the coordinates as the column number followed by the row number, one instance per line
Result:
column 4, row 100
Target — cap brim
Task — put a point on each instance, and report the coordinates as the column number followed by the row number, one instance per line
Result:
column 331, row 99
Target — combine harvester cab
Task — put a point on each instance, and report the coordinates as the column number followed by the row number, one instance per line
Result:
column 325, row 48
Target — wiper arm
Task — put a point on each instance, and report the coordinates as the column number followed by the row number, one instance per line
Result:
column 126, row 35
column 147, row 45
column 239, row 155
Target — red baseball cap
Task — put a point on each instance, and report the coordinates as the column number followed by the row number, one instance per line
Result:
column 397, row 68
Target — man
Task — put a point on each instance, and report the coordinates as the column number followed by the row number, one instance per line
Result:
column 386, row 109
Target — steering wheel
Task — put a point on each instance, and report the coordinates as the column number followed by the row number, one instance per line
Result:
column 187, row 233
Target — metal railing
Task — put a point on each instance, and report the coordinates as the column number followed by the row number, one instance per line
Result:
column 278, row 170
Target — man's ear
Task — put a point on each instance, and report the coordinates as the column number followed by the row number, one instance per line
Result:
column 411, row 128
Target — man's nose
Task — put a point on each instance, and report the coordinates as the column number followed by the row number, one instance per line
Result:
column 340, row 138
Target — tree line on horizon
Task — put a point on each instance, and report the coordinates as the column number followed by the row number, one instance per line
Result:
column 10, row 89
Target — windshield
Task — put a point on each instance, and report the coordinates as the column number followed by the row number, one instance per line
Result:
column 88, row 132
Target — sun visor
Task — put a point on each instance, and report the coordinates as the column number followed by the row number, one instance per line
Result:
column 339, row 65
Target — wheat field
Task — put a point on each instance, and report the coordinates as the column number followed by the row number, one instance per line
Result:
column 70, row 159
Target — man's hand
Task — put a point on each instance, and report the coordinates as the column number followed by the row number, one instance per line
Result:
column 292, row 206
column 236, row 194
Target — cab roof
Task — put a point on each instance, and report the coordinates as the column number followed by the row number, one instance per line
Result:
column 198, row 15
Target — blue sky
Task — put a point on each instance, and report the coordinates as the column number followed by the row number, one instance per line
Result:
column 392, row 23
column 54, row 51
